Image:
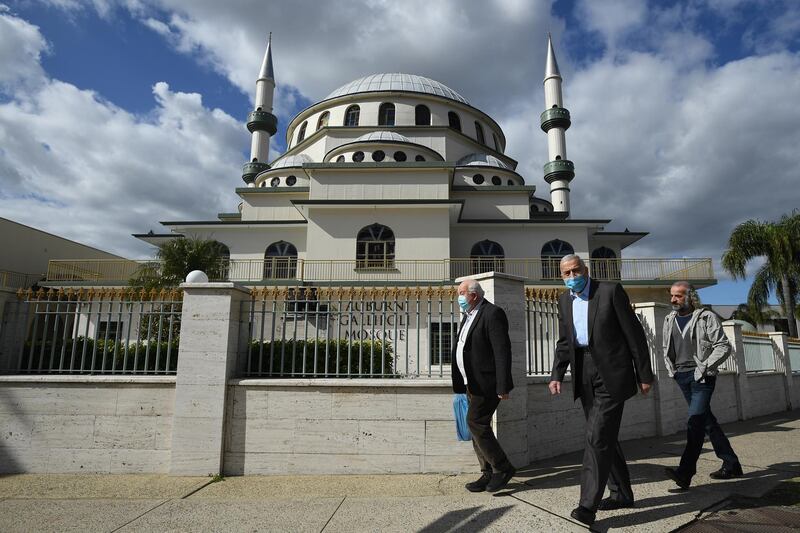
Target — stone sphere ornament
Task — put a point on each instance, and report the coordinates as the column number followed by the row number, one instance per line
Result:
column 196, row 276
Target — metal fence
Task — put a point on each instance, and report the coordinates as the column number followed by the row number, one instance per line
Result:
column 348, row 332
column 541, row 329
column 759, row 355
column 794, row 356
column 114, row 331
column 292, row 269
column 18, row 280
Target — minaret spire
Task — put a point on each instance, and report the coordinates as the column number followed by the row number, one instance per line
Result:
column 261, row 123
column 555, row 120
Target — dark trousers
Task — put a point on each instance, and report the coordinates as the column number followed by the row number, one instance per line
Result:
column 603, row 461
column 491, row 456
column 702, row 422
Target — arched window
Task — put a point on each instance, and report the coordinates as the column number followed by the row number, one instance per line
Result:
column 386, row 115
column 604, row 264
column 280, row 261
column 422, row 115
column 351, row 115
column 302, row 134
column 496, row 142
column 454, row 120
column 552, row 252
column 323, row 120
column 222, row 270
column 479, row 133
column 375, row 247
column 487, row 256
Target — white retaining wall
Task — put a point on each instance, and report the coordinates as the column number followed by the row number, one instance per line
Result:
column 61, row 424
column 363, row 426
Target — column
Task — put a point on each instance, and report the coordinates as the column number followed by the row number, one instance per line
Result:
column 783, row 364
column 511, row 419
column 734, row 334
column 670, row 406
column 206, row 360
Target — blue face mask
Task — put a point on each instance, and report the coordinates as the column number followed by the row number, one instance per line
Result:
column 576, row 284
column 462, row 302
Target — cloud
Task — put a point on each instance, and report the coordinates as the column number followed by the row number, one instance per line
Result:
column 21, row 47
column 70, row 159
column 666, row 136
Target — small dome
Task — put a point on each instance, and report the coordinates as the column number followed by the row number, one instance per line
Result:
column 397, row 82
column 291, row 161
column 383, row 136
column 483, row 160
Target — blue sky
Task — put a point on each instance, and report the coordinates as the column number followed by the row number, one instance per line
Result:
column 684, row 115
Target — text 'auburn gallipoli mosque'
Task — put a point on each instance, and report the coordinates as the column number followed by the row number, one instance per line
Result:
column 396, row 178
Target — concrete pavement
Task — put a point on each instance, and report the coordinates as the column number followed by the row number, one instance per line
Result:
column 539, row 498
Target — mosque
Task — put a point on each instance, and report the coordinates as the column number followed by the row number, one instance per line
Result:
column 397, row 178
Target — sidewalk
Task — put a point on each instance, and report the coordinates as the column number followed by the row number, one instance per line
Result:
column 539, row 498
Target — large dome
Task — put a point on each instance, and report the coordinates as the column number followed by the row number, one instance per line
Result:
column 397, row 82
column 291, row 161
column 383, row 136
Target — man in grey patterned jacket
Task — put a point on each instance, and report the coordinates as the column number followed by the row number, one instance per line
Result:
column 694, row 347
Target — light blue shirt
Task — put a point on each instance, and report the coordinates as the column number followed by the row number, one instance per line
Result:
column 580, row 316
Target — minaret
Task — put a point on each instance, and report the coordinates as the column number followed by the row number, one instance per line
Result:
column 261, row 123
column 559, row 171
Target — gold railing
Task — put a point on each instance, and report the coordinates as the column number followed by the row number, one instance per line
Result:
column 17, row 280
column 96, row 270
column 259, row 270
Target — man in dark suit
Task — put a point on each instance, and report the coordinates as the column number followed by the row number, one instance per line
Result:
column 482, row 368
column 603, row 342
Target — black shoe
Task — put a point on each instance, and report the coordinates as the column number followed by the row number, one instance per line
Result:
column 727, row 473
column 679, row 480
column 500, row 480
column 479, row 485
column 583, row 515
column 609, row 504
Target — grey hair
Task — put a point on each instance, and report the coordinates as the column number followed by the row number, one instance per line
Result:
column 691, row 294
column 474, row 286
column 571, row 257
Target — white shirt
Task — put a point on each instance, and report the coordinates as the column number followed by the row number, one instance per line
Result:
column 580, row 315
column 462, row 338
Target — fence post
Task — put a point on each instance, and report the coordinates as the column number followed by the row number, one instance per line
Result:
column 780, row 349
column 669, row 404
column 734, row 333
column 206, row 360
column 13, row 329
column 511, row 420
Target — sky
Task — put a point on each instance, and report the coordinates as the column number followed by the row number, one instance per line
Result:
column 116, row 114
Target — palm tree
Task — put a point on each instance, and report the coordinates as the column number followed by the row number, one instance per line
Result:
column 778, row 243
column 178, row 257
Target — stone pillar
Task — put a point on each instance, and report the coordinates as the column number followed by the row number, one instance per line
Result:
column 510, row 421
column 206, row 360
column 13, row 329
column 734, row 334
column 783, row 364
column 670, row 406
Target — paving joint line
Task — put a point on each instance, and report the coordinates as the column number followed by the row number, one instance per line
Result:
column 333, row 514
column 141, row 515
column 570, row 520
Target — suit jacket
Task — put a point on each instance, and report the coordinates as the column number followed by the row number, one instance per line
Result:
column 487, row 355
column 616, row 340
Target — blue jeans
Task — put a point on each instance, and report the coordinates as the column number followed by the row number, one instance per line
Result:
column 702, row 422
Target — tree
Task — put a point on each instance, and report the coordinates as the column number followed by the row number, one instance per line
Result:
column 753, row 315
column 778, row 243
column 177, row 257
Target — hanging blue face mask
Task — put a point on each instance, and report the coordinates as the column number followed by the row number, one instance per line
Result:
column 576, row 284
column 462, row 302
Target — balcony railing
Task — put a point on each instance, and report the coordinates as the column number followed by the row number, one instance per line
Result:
column 290, row 269
column 17, row 280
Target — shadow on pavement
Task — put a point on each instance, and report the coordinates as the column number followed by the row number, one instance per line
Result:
column 466, row 519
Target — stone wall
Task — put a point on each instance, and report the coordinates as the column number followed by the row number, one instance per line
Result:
column 62, row 424
column 341, row 427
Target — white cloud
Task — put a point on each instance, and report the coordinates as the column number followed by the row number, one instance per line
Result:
column 70, row 159
column 21, row 47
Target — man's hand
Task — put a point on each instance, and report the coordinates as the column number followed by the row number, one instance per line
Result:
column 645, row 388
column 503, row 396
column 555, row 387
